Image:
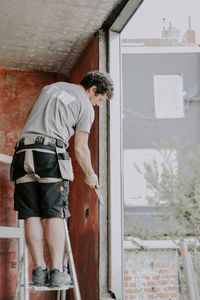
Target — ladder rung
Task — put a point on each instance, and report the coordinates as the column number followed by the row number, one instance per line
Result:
column 10, row 232
column 47, row 288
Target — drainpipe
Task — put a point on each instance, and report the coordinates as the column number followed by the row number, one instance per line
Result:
column 189, row 274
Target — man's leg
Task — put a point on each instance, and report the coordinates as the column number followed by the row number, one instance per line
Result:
column 55, row 236
column 34, row 239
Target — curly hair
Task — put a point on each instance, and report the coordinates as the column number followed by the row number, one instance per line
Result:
column 101, row 80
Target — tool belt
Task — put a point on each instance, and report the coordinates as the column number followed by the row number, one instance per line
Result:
column 40, row 143
column 39, row 139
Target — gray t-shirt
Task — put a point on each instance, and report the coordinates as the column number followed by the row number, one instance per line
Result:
column 60, row 110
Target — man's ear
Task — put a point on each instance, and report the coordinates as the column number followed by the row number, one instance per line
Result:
column 93, row 89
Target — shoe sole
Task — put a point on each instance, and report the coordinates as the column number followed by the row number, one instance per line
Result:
column 37, row 281
column 59, row 284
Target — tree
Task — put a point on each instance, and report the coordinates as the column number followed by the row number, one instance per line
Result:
column 177, row 188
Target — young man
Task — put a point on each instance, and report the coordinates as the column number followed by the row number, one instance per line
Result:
column 41, row 167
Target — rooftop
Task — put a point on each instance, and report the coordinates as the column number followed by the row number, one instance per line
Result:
column 156, row 43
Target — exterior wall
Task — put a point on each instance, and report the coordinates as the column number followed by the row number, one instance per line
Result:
column 141, row 128
column 150, row 274
column 17, row 95
column 84, row 227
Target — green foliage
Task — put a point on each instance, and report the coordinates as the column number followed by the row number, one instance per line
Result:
column 134, row 228
column 177, row 188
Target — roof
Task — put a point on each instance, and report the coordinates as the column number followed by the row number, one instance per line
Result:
column 155, row 43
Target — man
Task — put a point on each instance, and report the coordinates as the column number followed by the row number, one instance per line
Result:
column 41, row 167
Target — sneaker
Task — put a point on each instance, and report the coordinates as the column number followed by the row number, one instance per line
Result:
column 39, row 276
column 58, row 278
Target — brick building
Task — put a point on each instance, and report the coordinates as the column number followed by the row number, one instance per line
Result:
column 150, row 270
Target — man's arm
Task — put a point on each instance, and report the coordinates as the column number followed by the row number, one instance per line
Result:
column 82, row 153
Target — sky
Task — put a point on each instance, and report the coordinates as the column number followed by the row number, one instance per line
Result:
column 147, row 22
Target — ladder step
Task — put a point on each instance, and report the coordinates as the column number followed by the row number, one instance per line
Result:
column 11, row 232
column 48, row 288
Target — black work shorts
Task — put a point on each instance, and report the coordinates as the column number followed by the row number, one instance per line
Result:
column 40, row 190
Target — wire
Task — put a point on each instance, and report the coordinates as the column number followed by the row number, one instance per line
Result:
column 138, row 114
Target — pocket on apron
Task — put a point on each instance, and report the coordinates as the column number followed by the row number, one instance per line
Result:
column 12, row 178
column 65, row 164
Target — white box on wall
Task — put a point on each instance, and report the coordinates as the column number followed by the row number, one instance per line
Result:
column 168, row 96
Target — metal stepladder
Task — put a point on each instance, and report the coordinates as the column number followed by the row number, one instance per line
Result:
column 23, row 286
column 23, row 281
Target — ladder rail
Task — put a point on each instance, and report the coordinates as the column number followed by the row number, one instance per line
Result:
column 58, row 295
column 21, row 257
column 26, row 280
column 8, row 232
column 17, row 292
column 63, row 293
column 77, row 294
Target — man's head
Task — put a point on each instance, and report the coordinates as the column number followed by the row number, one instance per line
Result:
column 98, row 86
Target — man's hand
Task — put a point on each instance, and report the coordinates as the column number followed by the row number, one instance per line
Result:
column 92, row 181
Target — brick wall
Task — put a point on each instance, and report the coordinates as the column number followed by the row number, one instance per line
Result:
column 18, row 91
column 150, row 274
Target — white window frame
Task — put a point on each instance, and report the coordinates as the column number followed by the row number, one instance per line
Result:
column 116, row 203
column 116, row 210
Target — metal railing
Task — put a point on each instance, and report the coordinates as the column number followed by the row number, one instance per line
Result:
column 189, row 273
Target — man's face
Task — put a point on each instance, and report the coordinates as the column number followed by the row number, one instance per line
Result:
column 95, row 99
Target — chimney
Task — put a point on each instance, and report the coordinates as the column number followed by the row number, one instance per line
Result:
column 190, row 35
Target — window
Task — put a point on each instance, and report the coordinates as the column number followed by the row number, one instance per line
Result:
column 168, row 96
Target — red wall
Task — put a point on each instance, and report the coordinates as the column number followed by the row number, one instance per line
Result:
column 84, row 230
column 17, row 96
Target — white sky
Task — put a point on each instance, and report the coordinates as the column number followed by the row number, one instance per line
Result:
column 147, row 22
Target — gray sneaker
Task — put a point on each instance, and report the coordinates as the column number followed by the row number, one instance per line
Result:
column 58, row 278
column 39, row 276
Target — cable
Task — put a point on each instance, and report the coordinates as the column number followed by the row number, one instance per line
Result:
column 138, row 114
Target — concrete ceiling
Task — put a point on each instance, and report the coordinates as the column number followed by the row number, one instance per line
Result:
column 48, row 35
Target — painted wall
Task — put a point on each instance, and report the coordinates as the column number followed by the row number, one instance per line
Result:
column 83, row 223
column 17, row 95
column 140, row 126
